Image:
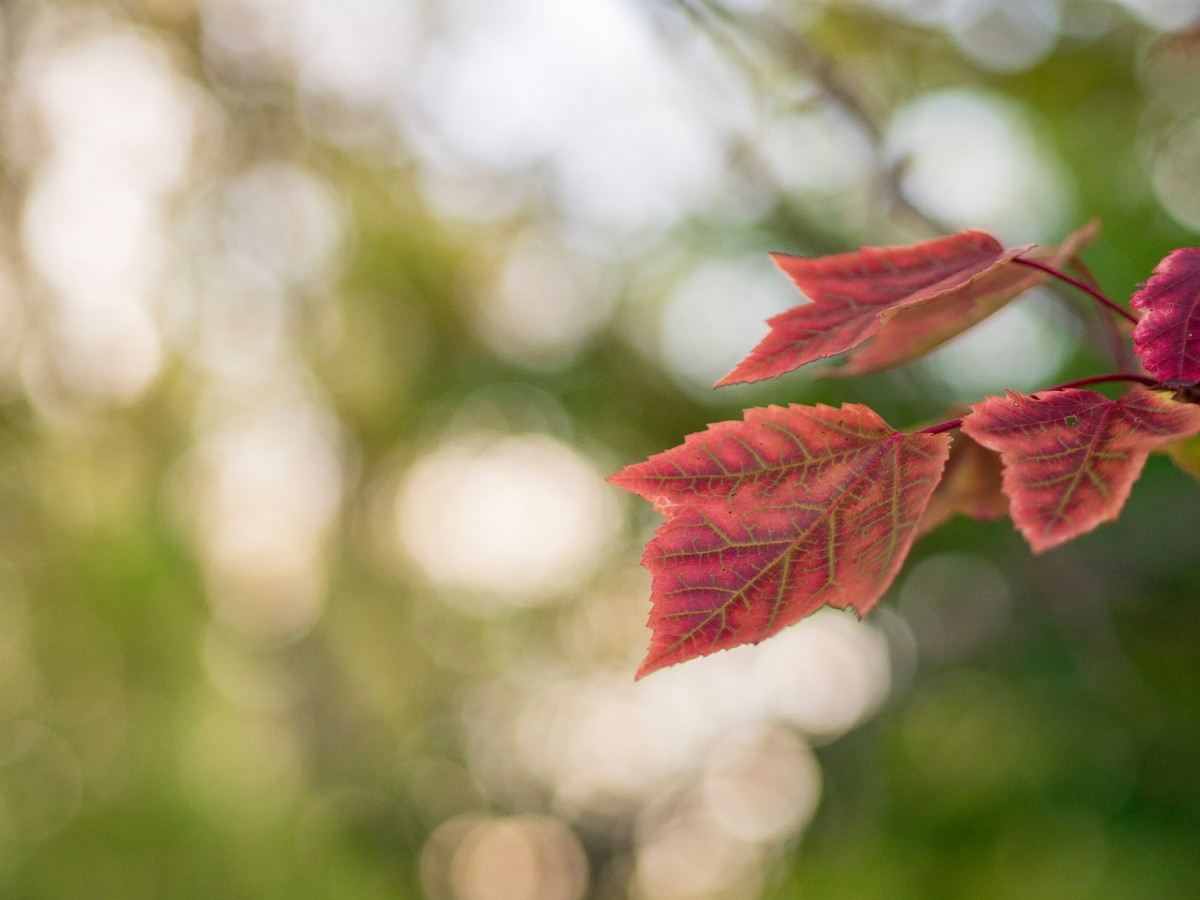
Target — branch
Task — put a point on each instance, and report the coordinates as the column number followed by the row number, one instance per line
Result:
column 715, row 20
column 1075, row 282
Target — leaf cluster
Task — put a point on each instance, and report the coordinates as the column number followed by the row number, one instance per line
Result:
column 793, row 508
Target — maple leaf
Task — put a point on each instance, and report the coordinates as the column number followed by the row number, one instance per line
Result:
column 774, row 517
column 1071, row 456
column 913, row 330
column 1167, row 337
column 971, row 486
column 853, row 293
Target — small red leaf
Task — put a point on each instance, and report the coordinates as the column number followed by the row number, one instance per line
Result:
column 971, row 486
column 852, row 292
column 774, row 517
column 1070, row 457
column 1167, row 337
column 910, row 331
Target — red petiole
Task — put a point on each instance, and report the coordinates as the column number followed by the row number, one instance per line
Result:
column 1075, row 282
column 1149, row 382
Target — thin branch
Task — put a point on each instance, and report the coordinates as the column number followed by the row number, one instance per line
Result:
column 940, row 427
column 828, row 81
column 1118, row 345
column 1075, row 282
column 1149, row 382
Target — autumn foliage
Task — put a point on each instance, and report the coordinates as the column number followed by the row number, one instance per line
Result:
column 794, row 508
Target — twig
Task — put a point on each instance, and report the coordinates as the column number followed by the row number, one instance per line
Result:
column 1075, row 282
column 827, row 79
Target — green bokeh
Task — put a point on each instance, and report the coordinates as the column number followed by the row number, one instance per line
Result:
column 166, row 730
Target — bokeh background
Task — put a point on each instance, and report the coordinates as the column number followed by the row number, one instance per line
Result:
column 321, row 325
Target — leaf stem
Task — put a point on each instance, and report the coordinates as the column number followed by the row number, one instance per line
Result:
column 1149, row 382
column 1075, row 282
column 1101, row 379
column 940, row 427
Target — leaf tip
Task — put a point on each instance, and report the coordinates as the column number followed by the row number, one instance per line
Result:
column 1042, row 540
column 619, row 479
column 1086, row 233
column 659, row 658
column 645, row 669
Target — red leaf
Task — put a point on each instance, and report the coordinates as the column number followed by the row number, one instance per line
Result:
column 1167, row 337
column 1071, row 456
column 774, row 517
column 913, row 330
column 852, row 293
column 971, row 486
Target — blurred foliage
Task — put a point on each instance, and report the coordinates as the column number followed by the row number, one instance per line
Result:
column 322, row 324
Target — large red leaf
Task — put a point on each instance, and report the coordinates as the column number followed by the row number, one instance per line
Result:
column 1167, row 337
column 1071, row 456
column 851, row 293
column 912, row 330
column 776, row 516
